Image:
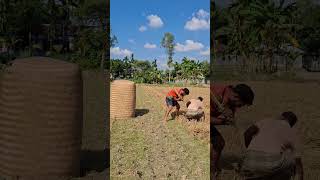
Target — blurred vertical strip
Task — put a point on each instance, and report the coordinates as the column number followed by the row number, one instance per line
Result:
column 107, row 99
column 212, row 58
column 212, row 39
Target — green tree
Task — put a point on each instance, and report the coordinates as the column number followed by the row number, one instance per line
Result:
column 204, row 67
column 155, row 73
column 189, row 70
column 258, row 28
column 168, row 43
column 177, row 72
column 117, row 69
column 309, row 18
column 93, row 16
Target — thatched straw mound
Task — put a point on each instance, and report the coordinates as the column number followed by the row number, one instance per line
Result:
column 123, row 99
column 40, row 119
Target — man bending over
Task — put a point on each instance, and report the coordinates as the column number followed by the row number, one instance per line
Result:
column 195, row 109
column 273, row 150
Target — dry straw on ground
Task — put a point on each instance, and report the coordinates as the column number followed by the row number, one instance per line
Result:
column 123, row 99
column 40, row 119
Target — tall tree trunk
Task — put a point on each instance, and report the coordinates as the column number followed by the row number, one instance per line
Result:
column 286, row 64
column 270, row 57
column 271, row 64
column 244, row 62
column 102, row 61
column 30, row 43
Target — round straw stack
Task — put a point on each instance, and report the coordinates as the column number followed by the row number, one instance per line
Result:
column 123, row 99
column 40, row 119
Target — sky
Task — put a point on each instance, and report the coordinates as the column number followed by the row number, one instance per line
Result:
column 139, row 26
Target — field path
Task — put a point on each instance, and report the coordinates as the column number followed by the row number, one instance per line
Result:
column 146, row 149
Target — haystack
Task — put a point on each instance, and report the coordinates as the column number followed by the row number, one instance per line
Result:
column 123, row 99
column 40, row 119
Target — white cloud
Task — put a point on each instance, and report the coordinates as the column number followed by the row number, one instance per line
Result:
column 116, row 51
column 132, row 41
column 199, row 21
column 150, row 46
column 206, row 52
column 197, row 24
column 203, row 14
column 188, row 46
column 154, row 21
column 142, row 28
column 191, row 58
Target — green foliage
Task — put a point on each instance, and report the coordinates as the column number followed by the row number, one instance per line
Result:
column 76, row 29
column 139, row 71
column 309, row 18
column 168, row 43
column 257, row 30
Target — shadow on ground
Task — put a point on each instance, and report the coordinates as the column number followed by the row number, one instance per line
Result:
column 175, row 113
column 141, row 112
column 94, row 161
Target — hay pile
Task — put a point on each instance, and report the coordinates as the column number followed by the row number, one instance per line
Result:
column 123, row 99
column 40, row 119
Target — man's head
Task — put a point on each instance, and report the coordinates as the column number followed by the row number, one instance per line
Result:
column 243, row 96
column 200, row 98
column 290, row 117
column 185, row 91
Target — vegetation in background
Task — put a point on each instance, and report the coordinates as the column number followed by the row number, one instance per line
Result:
column 255, row 32
column 72, row 30
column 147, row 71
column 188, row 71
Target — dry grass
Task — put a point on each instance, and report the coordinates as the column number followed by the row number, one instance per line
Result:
column 201, row 129
column 144, row 148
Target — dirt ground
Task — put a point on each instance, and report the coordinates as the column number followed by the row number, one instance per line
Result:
column 200, row 129
column 271, row 99
column 143, row 148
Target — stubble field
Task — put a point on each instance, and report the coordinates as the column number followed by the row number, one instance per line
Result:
column 145, row 148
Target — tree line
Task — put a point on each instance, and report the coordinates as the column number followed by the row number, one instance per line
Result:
column 188, row 71
column 73, row 30
column 255, row 32
column 144, row 71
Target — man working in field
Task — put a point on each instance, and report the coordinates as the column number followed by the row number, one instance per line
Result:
column 172, row 99
column 195, row 109
column 225, row 100
column 273, row 149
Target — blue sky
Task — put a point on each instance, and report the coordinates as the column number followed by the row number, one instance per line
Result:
column 139, row 26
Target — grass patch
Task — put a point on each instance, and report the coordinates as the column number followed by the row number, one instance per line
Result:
column 129, row 149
